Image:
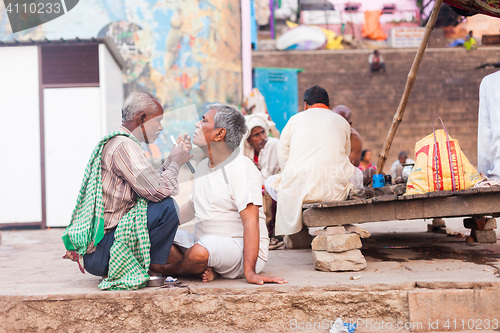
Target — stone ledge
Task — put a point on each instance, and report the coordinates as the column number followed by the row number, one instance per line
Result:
column 266, row 289
column 457, row 285
column 446, row 307
column 271, row 310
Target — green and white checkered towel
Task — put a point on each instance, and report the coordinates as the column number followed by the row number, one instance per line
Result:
column 129, row 257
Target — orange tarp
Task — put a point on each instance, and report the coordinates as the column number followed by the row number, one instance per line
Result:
column 371, row 26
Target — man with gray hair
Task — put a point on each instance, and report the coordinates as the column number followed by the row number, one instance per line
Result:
column 230, row 237
column 125, row 205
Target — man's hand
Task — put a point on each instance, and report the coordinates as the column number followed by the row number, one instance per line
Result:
column 250, row 219
column 259, row 279
column 181, row 152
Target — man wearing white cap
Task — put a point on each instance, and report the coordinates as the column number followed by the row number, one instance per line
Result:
column 259, row 147
column 263, row 151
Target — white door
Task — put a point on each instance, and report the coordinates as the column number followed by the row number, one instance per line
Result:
column 73, row 126
column 21, row 192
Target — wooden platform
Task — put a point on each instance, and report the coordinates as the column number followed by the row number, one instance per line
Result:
column 472, row 202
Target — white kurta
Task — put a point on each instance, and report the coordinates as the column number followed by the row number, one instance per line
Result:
column 488, row 138
column 313, row 151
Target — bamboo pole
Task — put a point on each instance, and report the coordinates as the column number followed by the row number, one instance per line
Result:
column 412, row 75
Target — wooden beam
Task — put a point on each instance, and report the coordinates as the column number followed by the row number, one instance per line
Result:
column 485, row 204
column 412, row 75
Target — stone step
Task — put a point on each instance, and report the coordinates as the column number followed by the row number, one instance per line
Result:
column 268, row 309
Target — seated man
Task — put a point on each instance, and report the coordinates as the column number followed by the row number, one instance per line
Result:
column 356, row 140
column 376, row 62
column 314, row 153
column 397, row 166
column 488, row 129
column 263, row 151
column 125, row 220
column 230, row 237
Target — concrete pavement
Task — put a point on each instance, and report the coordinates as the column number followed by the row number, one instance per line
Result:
column 412, row 277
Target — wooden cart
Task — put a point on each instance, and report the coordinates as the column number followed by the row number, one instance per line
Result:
column 473, row 203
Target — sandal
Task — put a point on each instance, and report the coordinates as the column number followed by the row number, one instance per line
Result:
column 276, row 244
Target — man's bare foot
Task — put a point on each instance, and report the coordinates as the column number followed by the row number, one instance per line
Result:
column 209, row 275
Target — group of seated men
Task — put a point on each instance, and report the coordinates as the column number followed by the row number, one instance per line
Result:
column 125, row 225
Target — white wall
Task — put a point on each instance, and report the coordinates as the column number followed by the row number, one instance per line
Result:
column 110, row 77
column 404, row 10
column 378, row 4
column 73, row 125
column 20, row 172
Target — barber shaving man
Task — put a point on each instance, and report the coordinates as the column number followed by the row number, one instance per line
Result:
column 125, row 220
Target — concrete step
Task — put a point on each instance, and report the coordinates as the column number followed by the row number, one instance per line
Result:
column 422, row 307
column 412, row 278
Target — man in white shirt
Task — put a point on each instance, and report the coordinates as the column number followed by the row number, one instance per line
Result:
column 230, row 237
column 488, row 132
column 313, row 151
column 397, row 166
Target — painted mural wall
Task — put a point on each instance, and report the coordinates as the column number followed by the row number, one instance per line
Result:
column 184, row 51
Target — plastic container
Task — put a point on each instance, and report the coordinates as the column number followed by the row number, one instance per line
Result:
column 378, row 181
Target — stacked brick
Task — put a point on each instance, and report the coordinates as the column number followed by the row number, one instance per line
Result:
column 482, row 229
column 338, row 249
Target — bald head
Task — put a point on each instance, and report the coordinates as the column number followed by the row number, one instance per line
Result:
column 344, row 111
